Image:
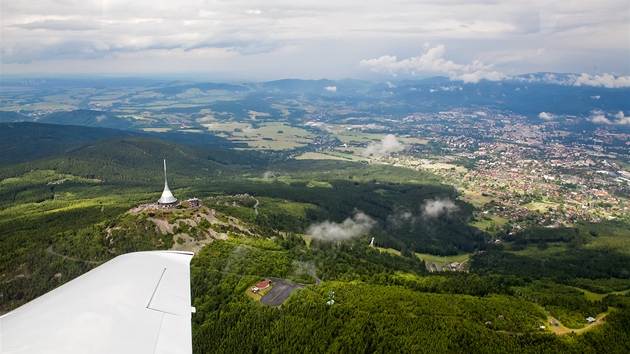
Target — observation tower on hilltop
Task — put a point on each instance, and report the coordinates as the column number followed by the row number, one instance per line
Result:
column 167, row 197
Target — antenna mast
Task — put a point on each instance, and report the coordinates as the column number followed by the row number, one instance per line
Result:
column 165, row 183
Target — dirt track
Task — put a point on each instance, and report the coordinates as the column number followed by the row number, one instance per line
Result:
column 564, row 330
column 561, row 329
column 50, row 250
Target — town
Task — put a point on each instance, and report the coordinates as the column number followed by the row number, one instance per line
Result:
column 517, row 173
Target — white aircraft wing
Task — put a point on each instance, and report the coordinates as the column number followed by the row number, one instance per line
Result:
column 136, row 303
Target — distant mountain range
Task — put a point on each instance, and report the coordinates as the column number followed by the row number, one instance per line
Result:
column 529, row 95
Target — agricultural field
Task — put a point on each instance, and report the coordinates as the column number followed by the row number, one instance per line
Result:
column 488, row 222
column 475, row 198
column 442, row 259
column 264, row 210
column 266, row 136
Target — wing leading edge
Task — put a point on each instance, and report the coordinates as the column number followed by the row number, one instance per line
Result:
column 135, row 303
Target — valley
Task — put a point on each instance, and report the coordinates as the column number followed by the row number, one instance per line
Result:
column 487, row 218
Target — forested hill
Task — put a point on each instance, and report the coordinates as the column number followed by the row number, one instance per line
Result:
column 76, row 202
column 24, row 141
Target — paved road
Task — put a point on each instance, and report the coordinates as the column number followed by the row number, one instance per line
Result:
column 282, row 288
column 318, row 282
column 281, row 291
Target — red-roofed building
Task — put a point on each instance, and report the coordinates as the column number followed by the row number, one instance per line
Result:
column 260, row 286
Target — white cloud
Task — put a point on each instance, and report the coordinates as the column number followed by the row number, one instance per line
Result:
column 358, row 224
column 331, row 88
column 604, row 80
column 401, row 217
column 387, row 145
column 437, row 207
column 282, row 38
column 546, row 116
column 621, row 118
column 601, row 117
column 269, row 174
column 432, row 61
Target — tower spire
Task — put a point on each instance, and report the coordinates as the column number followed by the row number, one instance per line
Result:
column 165, row 182
column 167, row 197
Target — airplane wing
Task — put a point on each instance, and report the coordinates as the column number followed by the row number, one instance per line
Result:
column 136, row 303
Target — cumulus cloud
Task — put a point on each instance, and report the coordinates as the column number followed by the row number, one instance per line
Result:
column 281, row 38
column 601, row 117
column 622, row 118
column 436, row 207
column 546, row 116
column 358, row 224
column 432, row 61
column 598, row 116
column 387, row 145
column 604, row 80
column 331, row 88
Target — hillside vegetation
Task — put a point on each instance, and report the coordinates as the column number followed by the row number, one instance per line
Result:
column 260, row 219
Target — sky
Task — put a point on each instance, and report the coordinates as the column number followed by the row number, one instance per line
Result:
column 465, row 40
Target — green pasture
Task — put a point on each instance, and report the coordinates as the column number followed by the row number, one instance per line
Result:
column 483, row 224
column 475, row 198
column 268, row 136
column 389, row 250
column 430, row 257
column 442, row 259
column 541, row 206
column 532, row 250
column 329, row 155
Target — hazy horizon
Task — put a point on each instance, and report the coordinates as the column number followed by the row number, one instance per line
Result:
column 261, row 41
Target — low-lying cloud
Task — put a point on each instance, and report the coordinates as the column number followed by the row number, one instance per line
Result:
column 546, row 116
column 432, row 61
column 401, row 217
column 436, row 207
column 603, row 80
column 358, row 224
column 387, row 145
column 269, row 174
column 601, row 117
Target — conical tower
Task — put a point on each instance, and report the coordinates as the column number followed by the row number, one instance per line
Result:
column 167, row 197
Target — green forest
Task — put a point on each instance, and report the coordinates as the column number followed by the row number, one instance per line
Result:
column 75, row 202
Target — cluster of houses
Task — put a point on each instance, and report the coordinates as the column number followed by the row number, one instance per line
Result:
column 433, row 266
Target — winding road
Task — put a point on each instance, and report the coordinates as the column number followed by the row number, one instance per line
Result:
column 564, row 330
column 256, row 206
column 561, row 329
